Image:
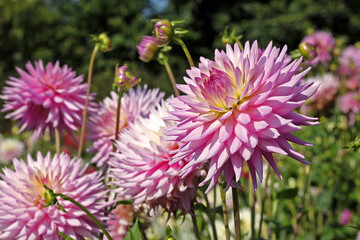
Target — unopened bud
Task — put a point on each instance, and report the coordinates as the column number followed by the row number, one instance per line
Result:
column 307, row 50
column 104, row 42
column 124, row 78
column 147, row 48
column 49, row 196
column 163, row 32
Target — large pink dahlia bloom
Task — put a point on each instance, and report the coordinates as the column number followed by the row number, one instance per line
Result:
column 102, row 124
column 238, row 109
column 141, row 168
column 22, row 212
column 45, row 98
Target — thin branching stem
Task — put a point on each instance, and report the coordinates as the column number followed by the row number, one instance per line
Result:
column 57, row 141
column 236, row 210
column 186, row 51
column 263, row 202
column 196, row 228
column 171, row 76
column 82, row 131
column 302, row 204
column 87, row 212
column 224, row 208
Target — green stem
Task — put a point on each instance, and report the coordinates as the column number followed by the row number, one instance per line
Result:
column 196, row 228
column 302, row 204
column 171, row 76
column 57, row 141
column 210, row 215
column 87, row 212
column 118, row 111
column 252, row 207
column 235, row 198
column 82, row 132
column 223, row 200
column 240, row 45
column 186, row 51
column 263, row 202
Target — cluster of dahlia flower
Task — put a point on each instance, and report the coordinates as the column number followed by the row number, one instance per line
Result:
column 22, row 200
column 236, row 110
column 101, row 126
column 336, row 70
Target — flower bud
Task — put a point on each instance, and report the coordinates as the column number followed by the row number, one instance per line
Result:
column 163, row 32
column 124, row 78
column 49, row 196
column 307, row 50
column 104, row 42
column 147, row 48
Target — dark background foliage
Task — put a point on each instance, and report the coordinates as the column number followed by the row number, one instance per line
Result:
column 61, row 29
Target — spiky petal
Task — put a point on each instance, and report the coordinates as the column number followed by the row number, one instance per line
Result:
column 101, row 127
column 22, row 212
column 238, row 109
column 141, row 168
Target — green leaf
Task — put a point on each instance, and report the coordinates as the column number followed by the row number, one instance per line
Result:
column 134, row 233
column 287, row 193
column 180, row 31
column 168, row 231
column 324, row 200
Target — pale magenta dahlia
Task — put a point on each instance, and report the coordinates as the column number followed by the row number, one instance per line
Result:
column 45, row 98
column 102, row 124
column 349, row 62
column 22, row 212
column 324, row 96
column 324, row 43
column 120, row 220
column 141, row 168
column 350, row 105
column 238, row 109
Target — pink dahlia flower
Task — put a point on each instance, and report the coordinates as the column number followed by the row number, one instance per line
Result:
column 101, row 127
column 350, row 105
column 345, row 217
column 120, row 220
column 141, row 168
column 324, row 43
column 325, row 95
column 45, row 98
column 349, row 62
column 10, row 148
column 238, row 109
column 22, row 201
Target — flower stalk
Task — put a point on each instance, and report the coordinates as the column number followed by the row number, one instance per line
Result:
column 57, row 141
column 50, row 198
column 252, row 208
column 224, row 208
column 302, row 204
column 171, row 76
column 236, row 210
column 186, row 51
column 82, row 131
column 196, row 228
column 118, row 112
column 263, row 202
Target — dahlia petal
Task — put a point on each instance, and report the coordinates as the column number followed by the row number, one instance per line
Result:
column 241, row 132
column 271, row 146
column 237, row 163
